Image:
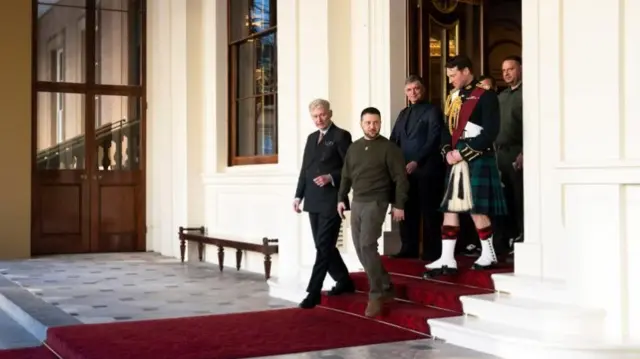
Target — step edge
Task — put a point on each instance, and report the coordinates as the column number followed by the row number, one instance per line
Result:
column 486, row 332
column 502, row 300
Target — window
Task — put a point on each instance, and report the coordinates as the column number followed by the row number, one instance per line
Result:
column 57, row 67
column 253, row 82
column 59, row 77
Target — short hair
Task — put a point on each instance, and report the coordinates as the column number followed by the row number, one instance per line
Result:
column 515, row 58
column 460, row 63
column 370, row 111
column 488, row 77
column 411, row 79
column 319, row 102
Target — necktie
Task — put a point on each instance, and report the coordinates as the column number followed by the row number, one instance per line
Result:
column 320, row 137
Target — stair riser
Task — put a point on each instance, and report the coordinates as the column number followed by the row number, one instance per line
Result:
column 466, row 276
column 510, row 348
column 413, row 323
column 558, row 322
column 479, row 343
column 443, row 299
column 536, row 292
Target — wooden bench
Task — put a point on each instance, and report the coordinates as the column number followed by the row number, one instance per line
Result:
column 197, row 234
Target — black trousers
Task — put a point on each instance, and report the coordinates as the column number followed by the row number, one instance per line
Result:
column 422, row 209
column 325, row 229
column 512, row 180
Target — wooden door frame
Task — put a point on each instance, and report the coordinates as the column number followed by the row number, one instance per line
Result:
column 89, row 89
column 421, row 44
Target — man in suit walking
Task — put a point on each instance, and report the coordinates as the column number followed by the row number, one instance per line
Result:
column 318, row 186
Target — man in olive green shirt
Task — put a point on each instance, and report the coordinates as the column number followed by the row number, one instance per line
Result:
column 509, row 151
column 375, row 168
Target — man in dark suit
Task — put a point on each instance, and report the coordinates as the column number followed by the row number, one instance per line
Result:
column 318, row 186
column 417, row 132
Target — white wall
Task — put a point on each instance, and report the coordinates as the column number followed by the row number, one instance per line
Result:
column 346, row 54
column 582, row 177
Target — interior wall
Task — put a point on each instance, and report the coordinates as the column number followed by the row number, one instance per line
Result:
column 15, row 130
column 503, row 24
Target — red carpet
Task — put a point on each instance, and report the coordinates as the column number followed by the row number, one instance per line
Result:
column 418, row 300
column 275, row 332
column 230, row 336
column 27, row 353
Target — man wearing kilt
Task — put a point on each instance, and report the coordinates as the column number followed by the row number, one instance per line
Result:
column 472, row 122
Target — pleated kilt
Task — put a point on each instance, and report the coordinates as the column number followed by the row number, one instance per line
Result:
column 486, row 188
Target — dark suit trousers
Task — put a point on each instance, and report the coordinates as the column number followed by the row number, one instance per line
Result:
column 422, row 209
column 325, row 229
column 513, row 191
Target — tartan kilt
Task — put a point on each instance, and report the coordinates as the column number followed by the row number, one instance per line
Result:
column 486, row 188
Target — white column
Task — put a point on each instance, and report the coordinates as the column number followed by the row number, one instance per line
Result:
column 582, row 158
column 166, row 125
column 213, row 71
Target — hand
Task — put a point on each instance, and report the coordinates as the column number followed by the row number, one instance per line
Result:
column 411, row 166
column 296, row 205
column 456, row 156
column 341, row 208
column 453, row 157
column 398, row 214
column 322, row 181
column 518, row 163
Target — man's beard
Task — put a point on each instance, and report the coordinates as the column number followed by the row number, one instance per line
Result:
column 370, row 137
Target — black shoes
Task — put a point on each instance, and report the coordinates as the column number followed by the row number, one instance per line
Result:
column 310, row 301
column 342, row 289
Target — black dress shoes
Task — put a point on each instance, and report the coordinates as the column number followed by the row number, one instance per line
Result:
column 342, row 289
column 310, row 301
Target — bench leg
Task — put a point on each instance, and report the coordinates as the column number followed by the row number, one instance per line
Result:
column 201, row 251
column 238, row 258
column 267, row 267
column 220, row 257
column 183, row 247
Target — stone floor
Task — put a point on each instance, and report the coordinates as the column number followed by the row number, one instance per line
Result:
column 120, row 287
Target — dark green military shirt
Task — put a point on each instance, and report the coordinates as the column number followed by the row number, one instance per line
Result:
column 510, row 134
column 375, row 169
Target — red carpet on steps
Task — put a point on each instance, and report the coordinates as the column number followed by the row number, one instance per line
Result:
column 229, row 336
column 27, row 353
column 418, row 300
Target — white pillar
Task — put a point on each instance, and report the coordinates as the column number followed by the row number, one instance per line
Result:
column 582, row 157
column 166, row 150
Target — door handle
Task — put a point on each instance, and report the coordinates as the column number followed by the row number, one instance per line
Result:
column 97, row 177
column 83, row 177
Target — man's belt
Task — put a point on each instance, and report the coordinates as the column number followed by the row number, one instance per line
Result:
column 486, row 150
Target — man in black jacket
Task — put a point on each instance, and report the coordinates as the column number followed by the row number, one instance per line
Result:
column 417, row 132
column 318, row 186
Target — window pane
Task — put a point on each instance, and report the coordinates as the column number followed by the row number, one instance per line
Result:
column 263, row 15
column 256, row 68
column 60, row 131
column 118, row 42
column 248, row 17
column 61, row 53
column 256, row 126
column 117, row 131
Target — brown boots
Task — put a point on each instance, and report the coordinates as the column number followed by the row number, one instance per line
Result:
column 374, row 307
